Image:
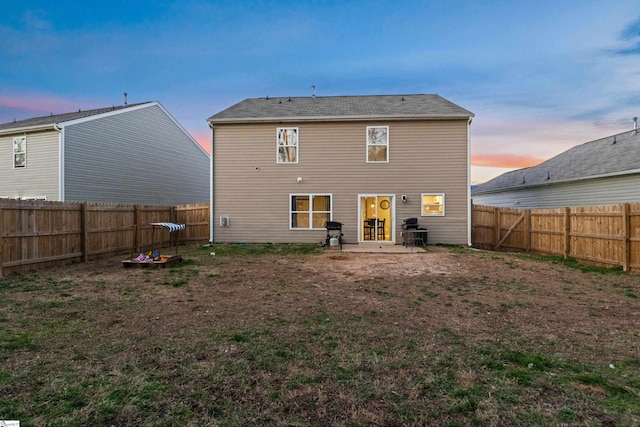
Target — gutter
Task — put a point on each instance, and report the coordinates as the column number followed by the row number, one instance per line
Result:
column 211, row 188
column 331, row 119
column 60, row 162
column 469, row 222
column 34, row 128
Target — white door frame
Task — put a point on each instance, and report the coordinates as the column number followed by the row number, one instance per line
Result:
column 392, row 209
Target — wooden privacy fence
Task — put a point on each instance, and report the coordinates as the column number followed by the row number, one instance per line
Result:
column 599, row 235
column 39, row 234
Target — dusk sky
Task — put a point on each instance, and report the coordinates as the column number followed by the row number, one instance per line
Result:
column 540, row 76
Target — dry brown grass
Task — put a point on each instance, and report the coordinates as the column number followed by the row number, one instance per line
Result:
column 449, row 337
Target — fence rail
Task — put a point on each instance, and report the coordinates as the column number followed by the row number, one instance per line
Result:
column 38, row 234
column 607, row 236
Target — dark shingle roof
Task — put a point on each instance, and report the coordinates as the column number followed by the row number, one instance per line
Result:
column 610, row 155
column 341, row 108
column 60, row 118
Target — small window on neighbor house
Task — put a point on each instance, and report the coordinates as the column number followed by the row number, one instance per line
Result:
column 377, row 144
column 432, row 204
column 20, row 152
column 287, row 145
column 309, row 211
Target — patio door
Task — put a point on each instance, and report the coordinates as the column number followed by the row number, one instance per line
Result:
column 376, row 217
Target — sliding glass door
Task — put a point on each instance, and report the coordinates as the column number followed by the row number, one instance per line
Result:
column 376, row 214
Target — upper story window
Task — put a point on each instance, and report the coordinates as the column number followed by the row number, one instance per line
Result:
column 432, row 204
column 20, row 152
column 287, row 145
column 377, row 144
column 309, row 211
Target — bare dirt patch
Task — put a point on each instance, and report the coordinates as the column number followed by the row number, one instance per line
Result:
column 471, row 292
column 449, row 336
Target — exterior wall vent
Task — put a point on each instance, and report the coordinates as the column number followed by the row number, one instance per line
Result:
column 224, row 220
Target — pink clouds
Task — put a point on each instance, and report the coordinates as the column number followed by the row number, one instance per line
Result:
column 203, row 138
column 512, row 161
column 39, row 103
column 516, row 143
column 501, row 143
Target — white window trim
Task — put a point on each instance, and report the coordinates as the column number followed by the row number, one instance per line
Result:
column 296, row 145
column 422, row 204
column 376, row 145
column 24, row 138
column 311, row 196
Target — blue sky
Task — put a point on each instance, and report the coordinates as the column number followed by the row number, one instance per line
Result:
column 541, row 76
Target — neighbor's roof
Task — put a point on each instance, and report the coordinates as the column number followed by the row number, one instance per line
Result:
column 615, row 154
column 341, row 108
column 54, row 119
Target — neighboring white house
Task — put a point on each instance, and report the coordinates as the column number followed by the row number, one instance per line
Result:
column 133, row 154
column 601, row 172
column 283, row 167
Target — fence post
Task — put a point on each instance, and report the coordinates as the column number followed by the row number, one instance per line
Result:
column 173, row 218
column 527, row 230
column 567, row 233
column 496, row 225
column 626, row 244
column 83, row 232
column 136, row 230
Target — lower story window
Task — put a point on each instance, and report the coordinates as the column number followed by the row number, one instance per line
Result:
column 309, row 211
column 432, row 204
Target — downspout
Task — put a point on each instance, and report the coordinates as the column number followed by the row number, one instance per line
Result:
column 60, row 162
column 469, row 231
column 211, row 189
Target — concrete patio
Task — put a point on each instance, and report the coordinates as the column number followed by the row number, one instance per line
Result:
column 382, row 248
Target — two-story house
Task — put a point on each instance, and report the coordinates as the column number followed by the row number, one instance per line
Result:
column 133, row 154
column 283, row 167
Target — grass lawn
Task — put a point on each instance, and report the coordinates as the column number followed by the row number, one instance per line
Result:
column 295, row 335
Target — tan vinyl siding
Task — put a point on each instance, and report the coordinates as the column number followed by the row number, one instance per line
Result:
column 41, row 176
column 424, row 157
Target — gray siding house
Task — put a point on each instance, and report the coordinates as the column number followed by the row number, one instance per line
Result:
column 601, row 172
column 283, row 167
column 133, row 154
